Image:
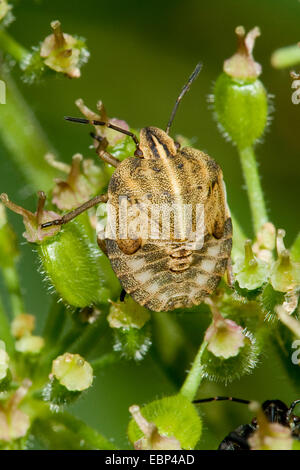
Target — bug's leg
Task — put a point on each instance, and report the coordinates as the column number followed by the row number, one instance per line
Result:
column 71, row 215
column 137, row 153
column 101, row 150
column 122, row 295
column 230, row 278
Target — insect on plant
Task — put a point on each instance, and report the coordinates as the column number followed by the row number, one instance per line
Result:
column 183, row 190
column 273, row 411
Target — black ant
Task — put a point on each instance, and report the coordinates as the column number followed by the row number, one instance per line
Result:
column 275, row 411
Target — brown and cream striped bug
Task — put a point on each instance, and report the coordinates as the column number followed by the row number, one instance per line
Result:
column 165, row 273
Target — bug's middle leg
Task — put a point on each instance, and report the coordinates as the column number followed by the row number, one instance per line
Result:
column 71, row 215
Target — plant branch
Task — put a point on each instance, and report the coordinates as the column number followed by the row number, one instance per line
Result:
column 195, row 375
column 255, row 193
column 286, row 57
column 9, row 45
column 11, row 280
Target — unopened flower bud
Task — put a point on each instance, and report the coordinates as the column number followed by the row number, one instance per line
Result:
column 14, row 423
column 285, row 273
column 4, row 361
column 265, row 242
column 6, row 16
column 30, row 344
column 250, row 272
column 127, row 314
column 22, row 325
column 72, row 371
column 171, row 423
column 63, row 53
column 224, row 337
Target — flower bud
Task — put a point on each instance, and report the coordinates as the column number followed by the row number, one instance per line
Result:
column 132, row 337
column 231, row 350
column 73, row 372
column 285, row 273
column 4, row 361
column 80, row 185
column 127, row 314
column 30, row 344
column 64, row 53
column 6, row 17
column 240, row 99
column 14, row 423
column 22, row 325
column 165, row 424
column 265, row 242
column 250, row 272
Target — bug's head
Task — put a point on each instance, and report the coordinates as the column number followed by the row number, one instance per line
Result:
column 275, row 411
column 155, row 143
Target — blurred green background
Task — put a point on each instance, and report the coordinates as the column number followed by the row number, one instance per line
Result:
column 141, row 54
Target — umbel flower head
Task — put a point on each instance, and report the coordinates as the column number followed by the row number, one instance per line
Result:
column 62, row 52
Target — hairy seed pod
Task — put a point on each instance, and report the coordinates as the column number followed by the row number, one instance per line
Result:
column 240, row 99
column 172, row 417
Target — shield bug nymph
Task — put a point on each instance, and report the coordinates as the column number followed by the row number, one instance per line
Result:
column 178, row 267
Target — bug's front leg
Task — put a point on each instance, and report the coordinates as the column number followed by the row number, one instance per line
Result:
column 71, row 215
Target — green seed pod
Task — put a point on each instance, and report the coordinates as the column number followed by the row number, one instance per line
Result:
column 250, row 272
column 58, row 396
column 269, row 300
column 68, row 252
column 168, row 423
column 240, row 99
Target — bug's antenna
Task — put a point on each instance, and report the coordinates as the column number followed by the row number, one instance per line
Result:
column 238, row 400
column 137, row 153
column 184, row 90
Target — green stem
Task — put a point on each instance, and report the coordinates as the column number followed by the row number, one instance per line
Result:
column 238, row 239
column 55, row 322
column 255, row 194
column 5, row 333
column 11, row 46
column 286, row 57
column 295, row 249
column 24, row 139
column 90, row 337
column 195, row 375
column 11, row 280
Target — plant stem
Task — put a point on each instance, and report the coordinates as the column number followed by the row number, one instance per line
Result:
column 195, row 375
column 55, row 322
column 24, row 138
column 286, row 57
column 238, row 239
column 5, row 333
column 11, row 279
column 9, row 45
column 255, row 194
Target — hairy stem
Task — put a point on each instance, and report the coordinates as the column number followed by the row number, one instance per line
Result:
column 105, row 360
column 195, row 375
column 255, row 193
column 5, row 333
